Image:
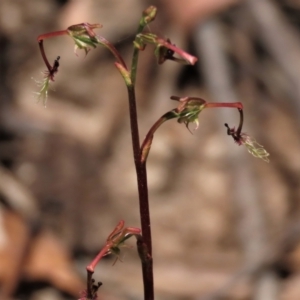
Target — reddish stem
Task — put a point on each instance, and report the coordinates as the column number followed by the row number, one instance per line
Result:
column 237, row 105
column 41, row 39
column 112, row 49
column 51, row 34
column 145, row 148
column 44, row 55
column 141, row 172
column 239, row 130
column 91, row 267
column 146, row 145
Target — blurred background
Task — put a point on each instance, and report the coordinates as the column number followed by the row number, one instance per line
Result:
column 225, row 224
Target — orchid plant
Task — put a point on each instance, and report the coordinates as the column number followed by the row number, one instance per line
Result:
column 186, row 112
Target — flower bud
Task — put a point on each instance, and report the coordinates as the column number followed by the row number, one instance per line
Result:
column 149, row 15
column 164, row 49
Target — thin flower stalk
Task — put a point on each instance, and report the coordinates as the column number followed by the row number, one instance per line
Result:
column 41, row 39
column 146, row 145
column 187, row 112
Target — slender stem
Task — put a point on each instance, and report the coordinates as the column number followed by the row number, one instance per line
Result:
column 146, row 145
column 112, row 49
column 91, row 289
column 143, row 195
column 51, row 34
column 145, row 148
column 236, row 134
column 141, row 171
column 135, row 56
column 41, row 45
column 133, row 123
column 89, row 284
column 103, row 252
column 147, row 268
column 41, row 39
column 239, row 130
column 238, row 105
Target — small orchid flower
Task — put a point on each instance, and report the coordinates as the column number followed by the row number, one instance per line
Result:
column 189, row 108
column 84, row 36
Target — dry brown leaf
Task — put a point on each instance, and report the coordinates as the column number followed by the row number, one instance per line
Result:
column 14, row 239
column 49, row 261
